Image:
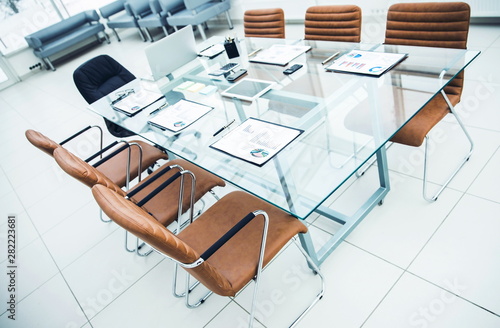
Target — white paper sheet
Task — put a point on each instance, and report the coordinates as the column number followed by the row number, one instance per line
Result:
column 256, row 141
column 180, row 115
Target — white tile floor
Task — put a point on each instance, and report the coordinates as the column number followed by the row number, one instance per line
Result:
column 408, row 264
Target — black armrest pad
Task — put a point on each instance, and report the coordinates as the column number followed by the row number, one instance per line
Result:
column 228, row 235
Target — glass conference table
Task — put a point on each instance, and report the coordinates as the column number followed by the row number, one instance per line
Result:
column 346, row 118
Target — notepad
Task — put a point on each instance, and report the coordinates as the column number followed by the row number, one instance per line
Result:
column 256, row 141
column 179, row 115
column 366, row 62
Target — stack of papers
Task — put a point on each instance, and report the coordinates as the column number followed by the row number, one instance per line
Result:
column 366, row 62
column 137, row 101
column 180, row 115
column 279, row 54
column 256, row 141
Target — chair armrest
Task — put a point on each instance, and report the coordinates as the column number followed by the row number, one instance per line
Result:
column 112, row 8
column 151, row 180
column 137, row 9
column 155, row 6
column 128, row 9
column 33, row 41
column 233, row 231
column 81, row 132
column 102, row 151
column 92, row 16
column 148, row 197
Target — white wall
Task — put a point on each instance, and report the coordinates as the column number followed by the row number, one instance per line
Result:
column 295, row 9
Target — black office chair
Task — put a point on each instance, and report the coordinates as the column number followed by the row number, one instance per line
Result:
column 98, row 77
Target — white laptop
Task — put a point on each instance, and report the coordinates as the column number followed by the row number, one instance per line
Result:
column 168, row 54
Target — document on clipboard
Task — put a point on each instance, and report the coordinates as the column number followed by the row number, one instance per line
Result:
column 179, row 115
column 279, row 54
column 137, row 101
column 366, row 62
column 256, row 141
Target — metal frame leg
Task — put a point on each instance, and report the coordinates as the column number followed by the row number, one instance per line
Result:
column 116, row 34
column 229, row 21
column 467, row 157
column 348, row 222
column 48, row 63
column 316, row 269
column 165, row 30
column 202, row 32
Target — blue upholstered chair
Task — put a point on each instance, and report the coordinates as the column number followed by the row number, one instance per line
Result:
column 98, row 77
column 118, row 15
column 159, row 11
column 198, row 12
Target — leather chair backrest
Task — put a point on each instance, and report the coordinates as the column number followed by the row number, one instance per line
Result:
column 265, row 23
column 138, row 222
column 99, row 76
column 41, row 141
column 430, row 24
column 333, row 23
column 83, row 171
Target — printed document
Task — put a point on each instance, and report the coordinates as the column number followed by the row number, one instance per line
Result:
column 279, row 54
column 179, row 115
column 256, row 141
column 137, row 101
column 366, row 62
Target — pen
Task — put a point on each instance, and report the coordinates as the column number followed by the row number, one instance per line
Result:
column 123, row 95
column 159, row 109
column 206, row 48
column 224, row 127
column 254, row 52
column 329, row 58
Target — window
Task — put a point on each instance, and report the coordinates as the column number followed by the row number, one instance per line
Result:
column 22, row 17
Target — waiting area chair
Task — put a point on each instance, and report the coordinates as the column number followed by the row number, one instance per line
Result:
column 224, row 248
column 117, row 15
column 157, row 16
column 264, row 23
column 165, row 208
column 198, row 12
column 333, row 23
column 97, row 78
column 432, row 25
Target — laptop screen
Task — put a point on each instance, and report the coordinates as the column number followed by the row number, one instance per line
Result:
column 168, row 54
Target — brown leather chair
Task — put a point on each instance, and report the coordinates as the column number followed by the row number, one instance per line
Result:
column 333, row 23
column 142, row 155
column 265, row 23
column 431, row 24
column 165, row 207
column 222, row 248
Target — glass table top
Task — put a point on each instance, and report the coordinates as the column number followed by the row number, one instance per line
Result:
column 346, row 118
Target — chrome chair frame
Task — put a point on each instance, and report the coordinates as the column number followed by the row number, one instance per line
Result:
column 219, row 243
column 102, row 160
column 426, row 149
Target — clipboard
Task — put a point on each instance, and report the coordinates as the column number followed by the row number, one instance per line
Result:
column 137, row 101
column 179, row 116
column 256, row 141
column 366, row 62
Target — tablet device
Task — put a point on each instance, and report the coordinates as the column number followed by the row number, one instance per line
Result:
column 248, row 89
